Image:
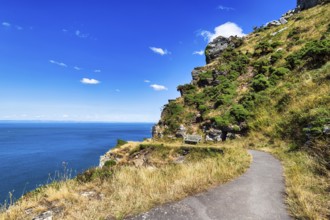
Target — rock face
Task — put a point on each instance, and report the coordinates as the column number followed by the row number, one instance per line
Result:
column 219, row 44
column 305, row 4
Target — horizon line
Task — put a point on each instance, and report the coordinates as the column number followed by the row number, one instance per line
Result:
column 74, row 121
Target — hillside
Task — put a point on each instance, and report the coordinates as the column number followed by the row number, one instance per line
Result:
column 274, row 81
column 268, row 91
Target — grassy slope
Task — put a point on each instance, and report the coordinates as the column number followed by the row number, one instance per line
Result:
column 285, row 117
column 125, row 189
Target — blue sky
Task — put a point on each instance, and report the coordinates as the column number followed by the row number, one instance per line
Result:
column 119, row 61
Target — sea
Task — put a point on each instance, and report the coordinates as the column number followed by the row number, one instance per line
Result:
column 36, row 153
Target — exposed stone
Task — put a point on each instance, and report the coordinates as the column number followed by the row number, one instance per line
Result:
column 283, row 20
column 306, row 4
column 88, row 194
column 273, row 23
column 156, row 132
column 103, row 160
column 181, row 132
column 44, row 216
column 219, row 44
column 195, row 73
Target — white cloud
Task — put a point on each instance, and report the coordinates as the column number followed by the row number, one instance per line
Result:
column 77, row 68
column 81, row 35
column 97, row 71
column 58, row 63
column 147, row 81
column 160, row 51
column 201, row 52
column 224, row 8
column 158, row 87
column 19, row 27
column 64, row 30
column 117, row 90
column 89, row 81
column 226, row 30
column 6, row 24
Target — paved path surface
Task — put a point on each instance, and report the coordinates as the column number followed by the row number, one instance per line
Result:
column 257, row 194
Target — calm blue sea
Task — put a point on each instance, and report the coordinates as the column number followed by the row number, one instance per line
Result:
column 31, row 152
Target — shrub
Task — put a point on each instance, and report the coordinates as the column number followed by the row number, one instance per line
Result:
column 186, row 89
column 276, row 56
column 263, row 48
column 120, row 143
column 261, row 66
column 110, row 163
column 202, row 108
column 223, row 100
column 260, row 82
column 222, row 122
column 313, row 55
column 239, row 113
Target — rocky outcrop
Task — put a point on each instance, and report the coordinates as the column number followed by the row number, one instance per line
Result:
column 219, row 44
column 306, row 4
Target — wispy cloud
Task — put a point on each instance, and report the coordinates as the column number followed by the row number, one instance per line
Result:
column 6, row 24
column 117, row 90
column 97, row 71
column 224, row 8
column 78, row 33
column 200, row 52
column 77, row 68
column 89, row 81
column 160, row 51
column 158, row 87
column 226, row 30
column 9, row 25
column 58, row 63
column 147, row 81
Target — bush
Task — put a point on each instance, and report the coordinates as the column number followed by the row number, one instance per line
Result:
column 263, row 48
column 202, row 108
column 110, row 163
column 222, row 122
column 259, row 83
column 276, row 56
column 120, row 143
column 261, row 66
column 239, row 113
column 313, row 55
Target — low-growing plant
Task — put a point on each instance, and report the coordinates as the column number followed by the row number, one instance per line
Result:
column 260, row 82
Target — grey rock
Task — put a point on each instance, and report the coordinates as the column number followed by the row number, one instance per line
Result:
column 208, row 138
column 219, row 44
column 306, row 4
column 44, row 216
column 195, row 73
column 283, row 20
column 273, row 23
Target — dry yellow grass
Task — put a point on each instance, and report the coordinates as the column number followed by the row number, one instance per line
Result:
column 132, row 189
column 307, row 183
